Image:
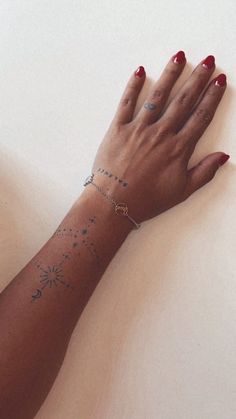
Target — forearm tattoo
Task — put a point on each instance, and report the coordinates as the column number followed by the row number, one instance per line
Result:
column 112, row 176
column 51, row 276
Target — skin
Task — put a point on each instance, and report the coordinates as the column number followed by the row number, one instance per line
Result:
column 142, row 161
column 154, row 147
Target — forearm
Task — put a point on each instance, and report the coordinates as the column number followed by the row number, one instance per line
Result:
column 40, row 307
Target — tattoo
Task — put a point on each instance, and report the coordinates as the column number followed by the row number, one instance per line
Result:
column 110, row 175
column 91, row 248
column 53, row 275
column 150, row 106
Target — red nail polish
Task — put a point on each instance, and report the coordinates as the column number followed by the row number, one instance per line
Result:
column 223, row 159
column 139, row 72
column 209, row 62
column 179, row 58
column 220, row 80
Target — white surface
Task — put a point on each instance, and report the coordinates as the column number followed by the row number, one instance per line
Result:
column 158, row 338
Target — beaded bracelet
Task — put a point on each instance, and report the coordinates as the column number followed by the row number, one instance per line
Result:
column 120, row 208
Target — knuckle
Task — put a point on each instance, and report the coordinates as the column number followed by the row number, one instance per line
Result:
column 163, row 131
column 139, row 127
column 158, row 93
column 199, row 71
column 172, row 71
column 214, row 93
column 132, row 86
column 125, row 101
column 200, row 76
column 178, row 149
column 183, row 99
column 203, row 114
column 129, row 94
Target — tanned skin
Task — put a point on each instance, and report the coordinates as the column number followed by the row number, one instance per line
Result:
column 142, row 161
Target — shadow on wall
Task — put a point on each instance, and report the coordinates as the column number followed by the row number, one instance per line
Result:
column 27, row 202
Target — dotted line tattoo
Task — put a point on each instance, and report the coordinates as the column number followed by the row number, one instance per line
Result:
column 83, row 234
column 53, row 275
column 111, row 176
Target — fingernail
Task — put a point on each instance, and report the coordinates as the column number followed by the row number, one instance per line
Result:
column 209, row 62
column 223, row 159
column 139, row 72
column 220, row 80
column 179, row 58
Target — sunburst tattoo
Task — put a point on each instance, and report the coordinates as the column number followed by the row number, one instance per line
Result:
column 51, row 276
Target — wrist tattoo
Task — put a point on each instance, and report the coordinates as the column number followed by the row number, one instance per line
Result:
column 111, row 176
column 53, row 275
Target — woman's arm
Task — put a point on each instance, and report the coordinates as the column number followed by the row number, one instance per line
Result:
column 40, row 307
column 142, row 161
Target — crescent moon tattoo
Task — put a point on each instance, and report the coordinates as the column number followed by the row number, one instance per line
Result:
column 54, row 275
column 37, row 295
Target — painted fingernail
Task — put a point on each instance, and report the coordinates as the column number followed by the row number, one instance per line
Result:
column 220, row 80
column 139, row 72
column 209, row 62
column 223, row 159
column 179, row 58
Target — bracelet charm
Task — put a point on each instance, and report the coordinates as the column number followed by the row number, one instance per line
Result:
column 121, row 208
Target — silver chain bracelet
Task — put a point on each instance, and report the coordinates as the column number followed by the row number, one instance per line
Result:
column 120, row 208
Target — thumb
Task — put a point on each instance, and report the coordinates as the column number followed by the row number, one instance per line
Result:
column 204, row 171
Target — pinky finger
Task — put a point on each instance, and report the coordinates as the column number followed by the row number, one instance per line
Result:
column 204, row 171
column 126, row 107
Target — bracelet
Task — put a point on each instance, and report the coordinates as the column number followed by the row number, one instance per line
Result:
column 120, row 208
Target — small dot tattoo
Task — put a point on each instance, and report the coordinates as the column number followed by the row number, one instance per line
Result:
column 110, row 175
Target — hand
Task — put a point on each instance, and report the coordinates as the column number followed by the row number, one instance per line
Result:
column 143, row 161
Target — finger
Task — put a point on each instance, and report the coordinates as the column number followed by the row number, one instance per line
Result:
column 203, row 113
column 129, row 98
column 204, row 171
column 181, row 106
column 160, row 92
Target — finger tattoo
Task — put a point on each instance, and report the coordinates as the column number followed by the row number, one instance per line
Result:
column 150, row 106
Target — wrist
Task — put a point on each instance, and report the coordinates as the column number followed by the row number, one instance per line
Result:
column 104, row 209
column 109, row 229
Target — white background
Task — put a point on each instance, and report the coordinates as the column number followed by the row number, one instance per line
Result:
column 158, row 337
